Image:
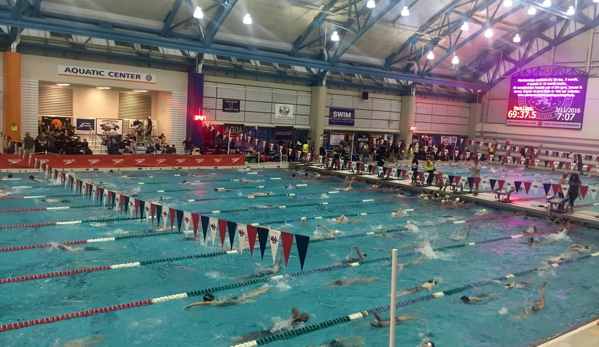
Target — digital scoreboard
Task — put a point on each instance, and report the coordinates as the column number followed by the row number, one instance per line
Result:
column 547, row 101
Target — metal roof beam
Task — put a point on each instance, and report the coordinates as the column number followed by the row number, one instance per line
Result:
column 316, row 23
column 217, row 21
column 168, row 21
column 576, row 17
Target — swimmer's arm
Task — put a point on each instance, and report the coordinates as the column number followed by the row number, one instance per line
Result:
column 255, row 293
column 199, row 303
column 340, row 219
column 329, row 231
column 376, row 315
column 294, row 313
column 468, row 231
column 543, row 295
column 127, row 191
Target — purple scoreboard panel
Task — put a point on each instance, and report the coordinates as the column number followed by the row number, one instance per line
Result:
column 547, row 101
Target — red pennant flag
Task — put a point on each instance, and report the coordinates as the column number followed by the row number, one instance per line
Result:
column 420, row 175
column 222, row 226
column 583, row 191
column 172, row 212
column 551, row 163
column 589, row 167
column 136, row 207
column 121, row 201
column 403, row 173
column 252, row 233
column 527, row 186
column 152, row 211
column 287, row 240
column 437, row 177
column 195, row 221
column 97, row 193
column 556, row 188
column 567, row 166
column 457, row 179
column 476, row 182
column 388, row 172
column 500, row 184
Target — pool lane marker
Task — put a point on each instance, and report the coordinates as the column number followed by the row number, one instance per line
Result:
column 14, row 197
column 279, row 336
column 46, row 224
column 49, row 208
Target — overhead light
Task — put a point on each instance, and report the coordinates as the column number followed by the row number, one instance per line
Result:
column 507, row 3
column 371, row 4
column 595, row 0
column 247, row 20
column 546, row 3
column 335, row 36
column 63, row 84
column 532, row 11
column 405, row 12
column 140, row 91
column 102, row 87
column 516, row 38
column 455, row 60
column 198, row 13
column 489, row 33
column 430, row 55
column 570, row 11
column 465, row 26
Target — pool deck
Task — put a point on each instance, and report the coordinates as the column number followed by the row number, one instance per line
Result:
column 583, row 335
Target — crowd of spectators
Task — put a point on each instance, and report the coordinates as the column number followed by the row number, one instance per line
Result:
column 128, row 144
column 57, row 140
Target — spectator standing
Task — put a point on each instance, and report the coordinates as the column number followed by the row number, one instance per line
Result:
column 28, row 144
column 188, row 146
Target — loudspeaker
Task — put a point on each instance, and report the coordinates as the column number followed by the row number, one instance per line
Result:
column 364, row 95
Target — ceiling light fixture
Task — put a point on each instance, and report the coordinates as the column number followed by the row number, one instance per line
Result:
column 197, row 13
column 405, row 12
column 570, row 11
column 430, row 55
column 507, row 3
column 532, row 11
column 247, row 20
column 516, row 38
column 371, row 4
column 140, row 91
column 595, row 0
column 546, row 3
column 465, row 26
column 455, row 60
column 63, row 84
column 102, row 87
column 489, row 33
column 335, row 36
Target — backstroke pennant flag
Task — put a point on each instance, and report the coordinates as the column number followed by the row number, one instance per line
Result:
column 152, row 211
column 492, row 182
column 583, row 191
column 222, row 227
column 527, row 186
column 180, row 217
column 205, row 225
column 556, row 188
column 142, row 208
column 172, row 213
column 187, row 223
column 232, row 227
column 565, row 188
column 252, row 232
column 262, row 239
column 537, row 161
column 159, row 215
column 518, row 186
column 500, row 184
column 535, row 188
column 273, row 238
column 287, row 242
column 593, row 190
column 213, row 226
column 546, row 187
column 302, row 243
column 241, row 236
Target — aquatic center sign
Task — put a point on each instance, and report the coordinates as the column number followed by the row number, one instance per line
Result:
column 547, row 101
column 66, row 70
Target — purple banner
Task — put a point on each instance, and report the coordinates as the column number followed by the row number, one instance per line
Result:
column 547, row 101
column 342, row 116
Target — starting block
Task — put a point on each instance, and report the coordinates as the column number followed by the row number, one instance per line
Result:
column 557, row 204
column 503, row 195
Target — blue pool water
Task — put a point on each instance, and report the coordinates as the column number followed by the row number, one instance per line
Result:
column 571, row 291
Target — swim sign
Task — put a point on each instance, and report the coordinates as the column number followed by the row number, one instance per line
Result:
column 341, row 116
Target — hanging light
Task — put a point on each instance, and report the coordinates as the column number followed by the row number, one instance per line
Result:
column 198, row 13
column 465, row 26
column 455, row 60
column 335, row 36
column 247, row 20
column 570, row 11
column 430, row 55
column 516, row 38
column 371, row 4
column 489, row 33
column 405, row 12
column 547, row 3
column 507, row 3
column 595, row 0
column 532, row 11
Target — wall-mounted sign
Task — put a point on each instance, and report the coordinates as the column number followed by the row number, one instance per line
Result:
column 230, row 105
column 109, row 126
column 342, row 116
column 58, row 121
column 284, row 133
column 233, row 129
column 283, row 111
column 85, row 124
column 67, row 70
column 336, row 138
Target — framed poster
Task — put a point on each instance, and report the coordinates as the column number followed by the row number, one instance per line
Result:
column 85, row 124
column 230, row 105
column 283, row 111
column 58, row 121
column 109, row 126
column 336, row 138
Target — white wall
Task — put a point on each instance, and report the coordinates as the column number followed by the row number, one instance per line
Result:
column 441, row 117
column 95, row 103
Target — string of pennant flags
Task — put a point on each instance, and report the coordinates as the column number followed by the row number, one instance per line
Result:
column 189, row 222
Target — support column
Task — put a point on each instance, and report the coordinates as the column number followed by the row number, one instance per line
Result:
column 12, row 95
column 195, row 107
column 407, row 118
column 317, row 110
column 476, row 111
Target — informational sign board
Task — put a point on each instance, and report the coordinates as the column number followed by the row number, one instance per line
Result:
column 85, row 124
column 109, row 126
column 230, row 105
column 283, row 111
column 284, row 133
column 342, row 116
column 547, row 101
column 336, row 138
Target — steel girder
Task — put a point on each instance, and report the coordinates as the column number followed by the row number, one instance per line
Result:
column 217, row 21
column 168, row 21
column 298, row 44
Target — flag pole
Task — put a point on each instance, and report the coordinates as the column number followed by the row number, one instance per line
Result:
column 393, row 297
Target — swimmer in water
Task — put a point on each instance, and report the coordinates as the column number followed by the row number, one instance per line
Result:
column 65, row 248
column 329, row 231
column 398, row 213
column 383, row 323
column 350, row 282
column 428, row 285
column 532, row 242
column 351, row 259
column 515, row 285
column 6, row 177
column 461, row 236
column 264, row 272
column 482, row 212
column 531, row 229
column 55, row 200
column 251, row 181
column 559, row 258
column 209, row 299
column 89, row 341
column 354, row 341
column 579, row 249
column 413, row 262
column 260, row 194
column 350, row 182
column 31, row 178
column 343, row 219
column 295, row 319
column 223, row 189
column 471, row 299
column 537, row 306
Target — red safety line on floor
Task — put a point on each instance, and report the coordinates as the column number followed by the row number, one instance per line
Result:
column 31, row 225
column 41, row 245
column 53, row 274
column 53, row 319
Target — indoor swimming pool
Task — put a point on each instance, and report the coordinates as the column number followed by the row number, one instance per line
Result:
column 328, row 289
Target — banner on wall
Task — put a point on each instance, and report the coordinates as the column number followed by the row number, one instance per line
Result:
column 233, row 129
column 284, row 133
column 86, row 124
column 335, row 139
column 121, row 161
column 449, row 140
column 67, row 70
column 283, row 111
column 342, row 116
column 58, row 121
column 230, row 105
column 109, row 126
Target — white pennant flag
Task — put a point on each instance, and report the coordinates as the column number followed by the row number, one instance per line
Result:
column 585, row 167
column 379, row 170
column 105, row 197
column 509, row 185
column 463, row 181
column 341, row 163
column 555, row 164
column 535, row 187
column 446, row 151
column 522, row 161
column 537, row 161
column 509, row 160
column 517, row 149
column 186, row 222
column 273, row 237
column 272, row 146
column 478, row 156
column 594, row 158
column 241, row 236
column 213, row 225
column 425, row 175
column 445, row 178
column 593, row 190
column 131, row 207
column 484, row 183
column 507, row 148
column 491, row 156
column 571, row 156
column 565, row 188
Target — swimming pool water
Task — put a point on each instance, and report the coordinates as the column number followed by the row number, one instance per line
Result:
column 571, row 292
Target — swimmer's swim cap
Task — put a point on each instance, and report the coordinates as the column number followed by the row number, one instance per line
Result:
column 304, row 219
column 208, row 297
